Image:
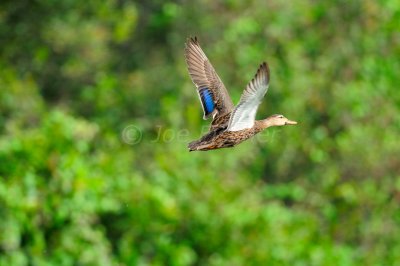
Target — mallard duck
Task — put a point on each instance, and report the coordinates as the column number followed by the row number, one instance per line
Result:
column 230, row 124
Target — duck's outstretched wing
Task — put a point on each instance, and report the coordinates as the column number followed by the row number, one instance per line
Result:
column 213, row 95
column 243, row 116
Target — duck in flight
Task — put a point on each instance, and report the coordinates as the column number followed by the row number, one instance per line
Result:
column 230, row 124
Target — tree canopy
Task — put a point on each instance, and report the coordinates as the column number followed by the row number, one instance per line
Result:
column 97, row 108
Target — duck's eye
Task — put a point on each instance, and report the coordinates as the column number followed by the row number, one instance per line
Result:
column 281, row 116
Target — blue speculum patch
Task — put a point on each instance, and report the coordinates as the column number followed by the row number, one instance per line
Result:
column 207, row 100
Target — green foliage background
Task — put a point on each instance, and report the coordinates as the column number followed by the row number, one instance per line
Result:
column 75, row 74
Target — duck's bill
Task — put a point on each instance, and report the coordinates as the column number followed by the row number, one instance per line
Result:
column 289, row 122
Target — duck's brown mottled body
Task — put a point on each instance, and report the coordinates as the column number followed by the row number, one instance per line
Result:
column 218, row 139
column 221, row 121
column 231, row 124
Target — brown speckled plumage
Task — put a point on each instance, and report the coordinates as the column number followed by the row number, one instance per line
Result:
column 218, row 139
column 230, row 125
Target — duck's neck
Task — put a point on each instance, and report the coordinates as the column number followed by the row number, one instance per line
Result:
column 260, row 125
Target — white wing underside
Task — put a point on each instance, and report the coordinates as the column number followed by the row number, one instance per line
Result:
column 244, row 115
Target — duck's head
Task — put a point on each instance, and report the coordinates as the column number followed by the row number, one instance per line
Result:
column 278, row 120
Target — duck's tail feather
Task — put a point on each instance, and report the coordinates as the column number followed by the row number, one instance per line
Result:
column 192, row 145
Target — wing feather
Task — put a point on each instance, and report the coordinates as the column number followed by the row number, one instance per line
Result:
column 244, row 115
column 206, row 79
